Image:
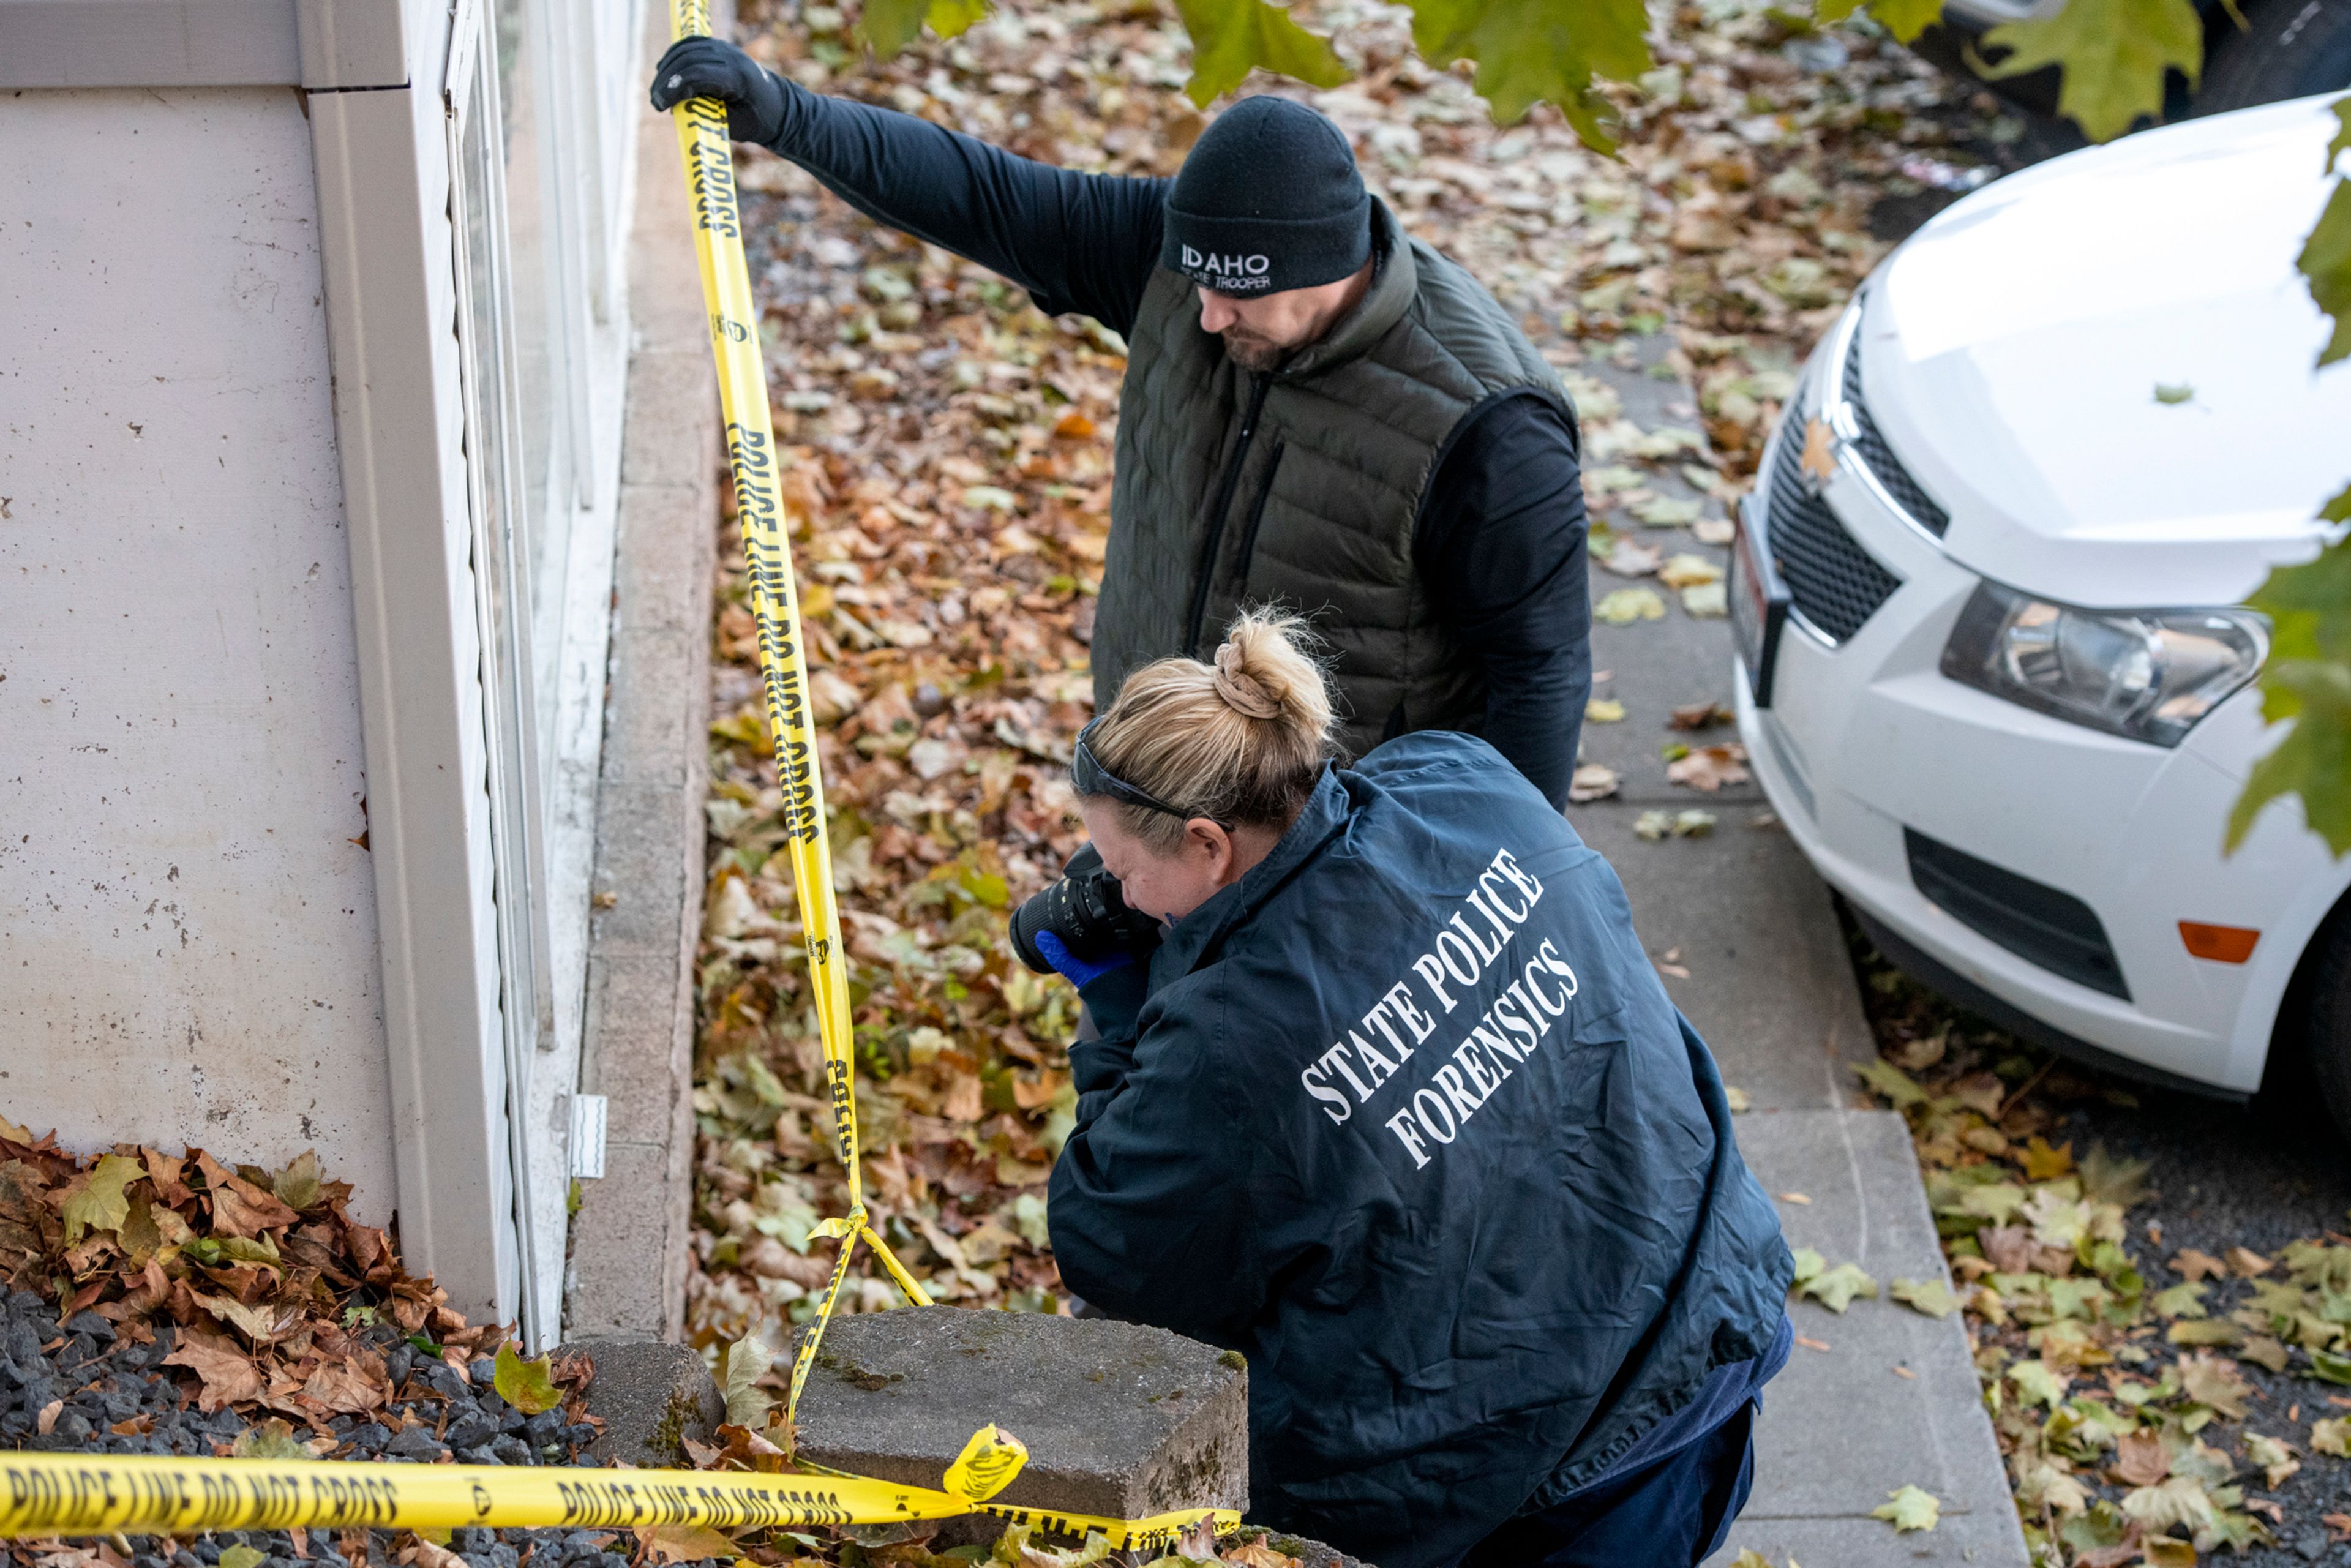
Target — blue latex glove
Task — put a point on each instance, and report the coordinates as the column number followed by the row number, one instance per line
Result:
column 1074, row 969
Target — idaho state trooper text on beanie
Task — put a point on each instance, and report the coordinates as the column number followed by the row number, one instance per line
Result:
column 1268, row 198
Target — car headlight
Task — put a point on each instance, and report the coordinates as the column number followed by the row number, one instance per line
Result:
column 2149, row 675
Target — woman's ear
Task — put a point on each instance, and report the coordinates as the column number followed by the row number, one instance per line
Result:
column 1209, row 841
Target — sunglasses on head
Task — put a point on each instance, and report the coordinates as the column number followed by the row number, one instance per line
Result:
column 1089, row 777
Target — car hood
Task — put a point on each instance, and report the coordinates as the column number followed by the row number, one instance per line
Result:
column 2103, row 367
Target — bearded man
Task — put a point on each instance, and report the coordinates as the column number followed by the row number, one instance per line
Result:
column 1318, row 413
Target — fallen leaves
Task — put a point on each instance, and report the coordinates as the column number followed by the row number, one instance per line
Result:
column 262, row 1277
column 1837, row 1288
column 2116, row 1386
column 1623, row 606
column 1710, row 768
column 1933, row 1298
column 682, row 1543
column 529, row 1385
column 1659, row 825
column 1909, row 1509
column 95, row 1199
column 1592, row 782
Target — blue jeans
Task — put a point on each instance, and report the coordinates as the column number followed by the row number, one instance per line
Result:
column 1673, row 1512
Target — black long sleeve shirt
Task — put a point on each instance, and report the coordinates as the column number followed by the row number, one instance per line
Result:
column 1500, row 536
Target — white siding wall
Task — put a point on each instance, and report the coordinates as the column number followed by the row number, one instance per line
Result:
column 188, row 946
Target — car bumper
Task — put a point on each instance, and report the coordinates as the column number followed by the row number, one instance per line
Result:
column 1867, row 751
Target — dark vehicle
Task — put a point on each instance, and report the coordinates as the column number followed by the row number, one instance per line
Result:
column 2285, row 48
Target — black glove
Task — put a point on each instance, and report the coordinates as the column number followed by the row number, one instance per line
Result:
column 1081, row 925
column 705, row 67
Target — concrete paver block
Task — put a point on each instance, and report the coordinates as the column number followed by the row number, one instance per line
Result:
column 1119, row 1419
column 657, row 731
column 650, row 1396
column 640, row 1072
column 629, row 1251
column 670, row 392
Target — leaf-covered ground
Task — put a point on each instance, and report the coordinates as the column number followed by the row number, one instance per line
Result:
column 2159, row 1387
column 952, row 474
column 950, row 486
column 163, row 1304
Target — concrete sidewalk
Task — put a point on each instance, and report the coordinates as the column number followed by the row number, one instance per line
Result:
column 1893, row 1398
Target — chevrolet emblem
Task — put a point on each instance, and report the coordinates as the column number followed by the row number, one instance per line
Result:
column 1818, row 462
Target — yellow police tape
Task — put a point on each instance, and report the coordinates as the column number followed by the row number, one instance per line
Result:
column 106, row 1494
column 775, row 608
column 100, row 1494
column 755, row 467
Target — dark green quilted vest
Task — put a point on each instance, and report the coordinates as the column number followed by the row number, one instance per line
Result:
column 1302, row 488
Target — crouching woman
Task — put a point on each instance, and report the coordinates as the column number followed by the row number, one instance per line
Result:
column 1396, row 1106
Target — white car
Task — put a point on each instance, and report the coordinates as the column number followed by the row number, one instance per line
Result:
column 1994, row 670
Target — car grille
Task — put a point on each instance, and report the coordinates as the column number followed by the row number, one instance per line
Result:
column 1878, row 457
column 2037, row 923
column 1834, row 584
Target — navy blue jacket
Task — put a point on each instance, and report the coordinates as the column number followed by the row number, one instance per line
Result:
column 1406, row 1117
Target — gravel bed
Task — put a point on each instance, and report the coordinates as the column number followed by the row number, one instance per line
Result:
column 100, row 1379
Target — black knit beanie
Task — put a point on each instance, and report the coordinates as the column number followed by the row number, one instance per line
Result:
column 1268, row 198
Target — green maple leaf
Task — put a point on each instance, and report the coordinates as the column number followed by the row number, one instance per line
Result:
column 747, row 1360
column 1909, row 1509
column 2325, row 259
column 2308, row 680
column 297, row 1186
column 2113, row 54
column 273, row 1439
column 1810, row 1264
column 1906, row 19
column 528, row 1385
column 99, row 1203
column 2331, row 1368
column 2109, row 1178
column 1891, row 1084
column 2038, row 1383
column 1932, row 1297
column 889, row 26
column 241, row 1557
column 1837, row 1287
column 1538, row 51
column 1231, row 37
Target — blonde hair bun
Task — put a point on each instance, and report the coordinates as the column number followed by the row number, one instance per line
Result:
column 1262, row 673
column 1240, row 740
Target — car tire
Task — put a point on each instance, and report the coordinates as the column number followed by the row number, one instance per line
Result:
column 2325, row 1012
column 2290, row 48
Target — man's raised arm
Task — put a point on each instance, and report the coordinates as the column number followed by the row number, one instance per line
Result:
column 1082, row 242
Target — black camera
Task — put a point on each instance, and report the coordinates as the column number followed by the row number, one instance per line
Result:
column 1086, row 911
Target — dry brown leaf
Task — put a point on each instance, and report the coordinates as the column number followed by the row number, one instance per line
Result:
column 2140, row 1458
column 1256, row 1554
column 682, row 1543
column 345, row 1387
column 1592, row 782
column 1710, row 768
column 239, row 1207
column 2190, row 1264
column 227, row 1373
